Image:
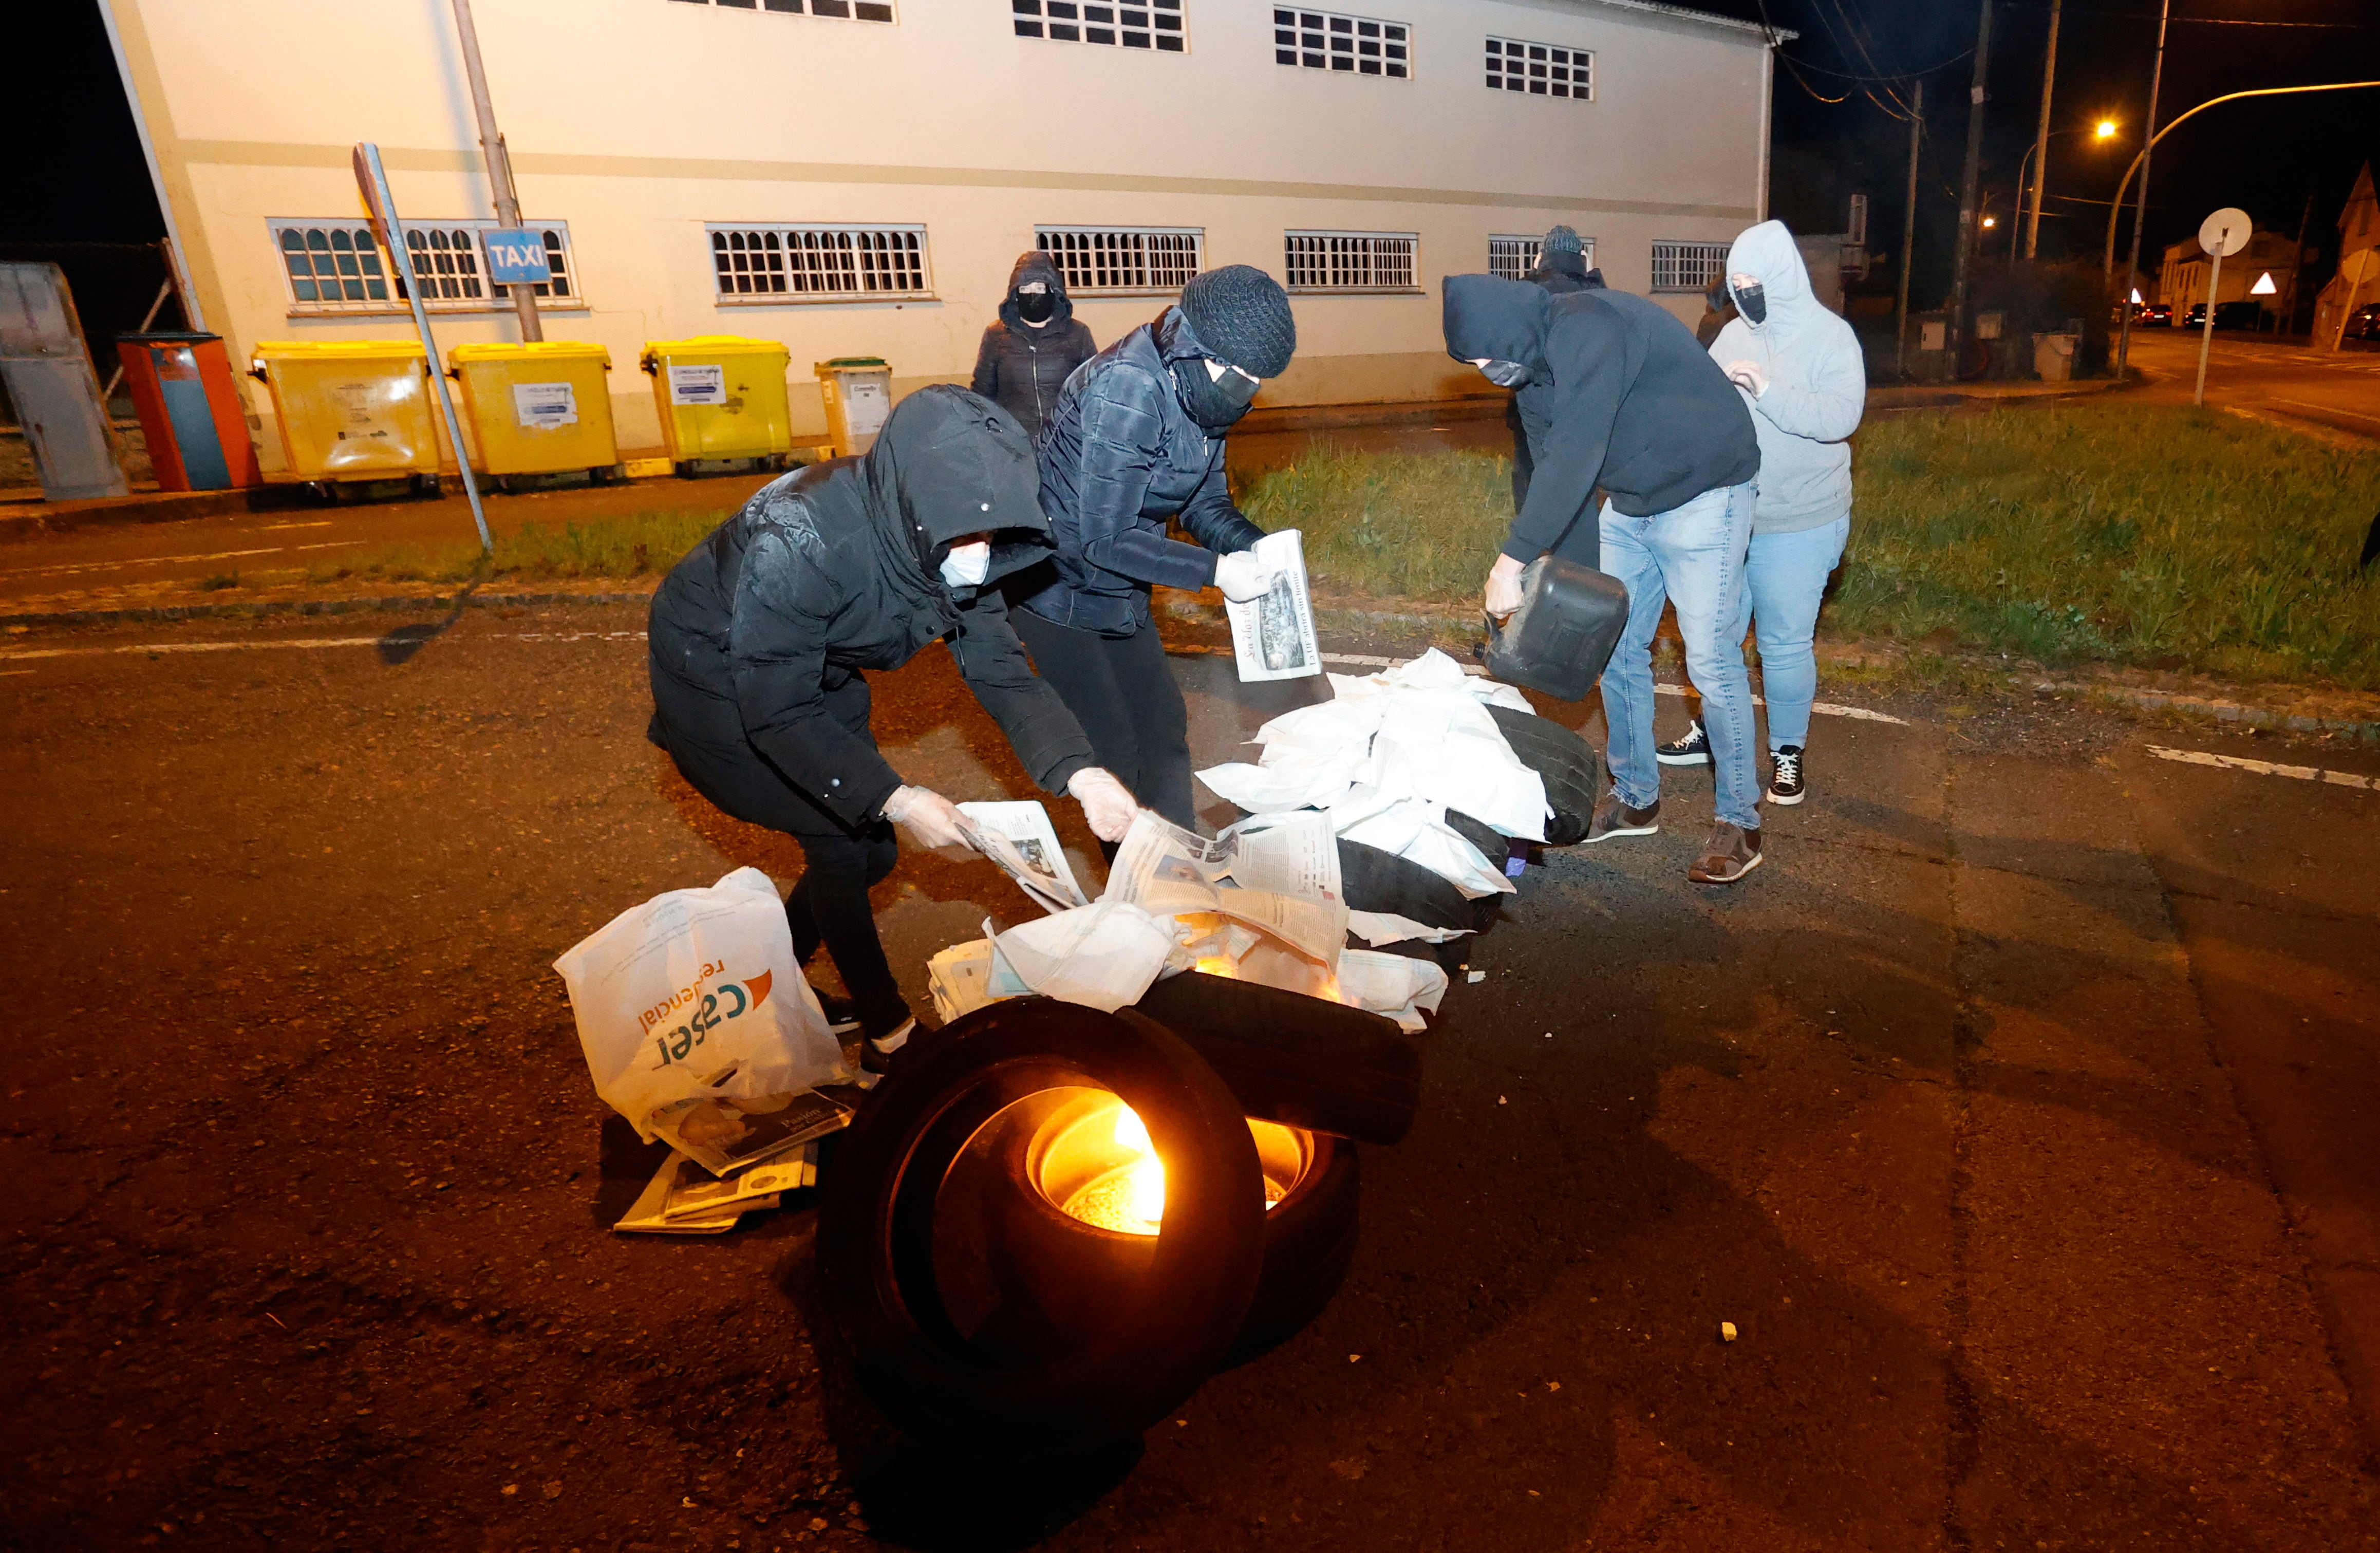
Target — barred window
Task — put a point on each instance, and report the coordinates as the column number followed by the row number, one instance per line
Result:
column 333, row 267
column 1145, row 24
column 844, row 10
column 1350, row 261
column 336, row 266
column 1542, row 69
column 1512, row 255
column 1687, row 266
column 1327, row 41
column 818, row 263
column 1122, row 260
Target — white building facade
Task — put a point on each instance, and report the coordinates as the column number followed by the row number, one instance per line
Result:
column 856, row 178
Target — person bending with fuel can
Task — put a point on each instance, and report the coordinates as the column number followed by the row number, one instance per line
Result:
column 762, row 637
column 1138, row 439
column 1637, row 409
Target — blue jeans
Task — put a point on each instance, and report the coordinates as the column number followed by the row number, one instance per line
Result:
column 1787, row 574
column 1693, row 556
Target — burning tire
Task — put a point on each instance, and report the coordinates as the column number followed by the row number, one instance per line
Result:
column 966, row 1323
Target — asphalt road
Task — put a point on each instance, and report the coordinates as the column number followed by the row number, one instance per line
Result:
column 2296, row 385
column 2018, row 1114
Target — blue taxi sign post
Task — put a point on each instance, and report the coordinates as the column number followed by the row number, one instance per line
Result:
column 516, row 258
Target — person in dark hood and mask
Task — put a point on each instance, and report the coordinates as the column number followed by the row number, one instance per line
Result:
column 1137, row 440
column 1634, row 407
column 1561, row 268
column 761, row 635
column 1025, row 356
column 1800, row 370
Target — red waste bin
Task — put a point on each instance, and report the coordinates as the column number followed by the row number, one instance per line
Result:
column 190, row 411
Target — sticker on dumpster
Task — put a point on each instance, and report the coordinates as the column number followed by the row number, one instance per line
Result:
column 699, row 385
column 866, row 406
column 543, row 406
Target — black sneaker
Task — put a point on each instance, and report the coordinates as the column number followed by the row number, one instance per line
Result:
column 1692, row 749
column 877, row 1054
column 1785, row 776
column 842, row 1014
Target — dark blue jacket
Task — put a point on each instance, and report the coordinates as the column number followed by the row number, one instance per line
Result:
column 1119, row 457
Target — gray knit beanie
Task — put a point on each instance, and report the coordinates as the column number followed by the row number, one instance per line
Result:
column 1562, row 239
column 1241, row 314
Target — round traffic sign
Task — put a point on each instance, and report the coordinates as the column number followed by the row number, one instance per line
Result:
column 2360, row 266
column 2226, row 232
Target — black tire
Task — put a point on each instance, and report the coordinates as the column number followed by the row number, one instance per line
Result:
column 1374, row 880
column 1566, row 762
column 1154, row 1341
column 1298, row 1061
column 1309, row 1243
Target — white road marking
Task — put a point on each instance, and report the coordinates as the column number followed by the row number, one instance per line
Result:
column 2326, row 409
column 2266, row 767
column 171, row 560
column 1824, row 709
column 187, row 647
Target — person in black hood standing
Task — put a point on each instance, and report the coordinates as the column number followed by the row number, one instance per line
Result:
column 1561, row 268
column 1637, row 409
column 1138, row 439
column 761, row 635
column 1027, row 356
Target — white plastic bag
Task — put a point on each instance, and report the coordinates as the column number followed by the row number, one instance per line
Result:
column 694, row 994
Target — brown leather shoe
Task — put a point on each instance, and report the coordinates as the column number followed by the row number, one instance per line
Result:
column 1613, row 818
column 1731, row 853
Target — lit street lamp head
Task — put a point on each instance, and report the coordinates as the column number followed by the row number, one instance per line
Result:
column 2107, row 131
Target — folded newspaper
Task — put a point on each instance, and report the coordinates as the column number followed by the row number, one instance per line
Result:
column 725, row 1137
column 1272, row 634
column 1022, row 844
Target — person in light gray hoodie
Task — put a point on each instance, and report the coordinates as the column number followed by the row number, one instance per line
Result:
column 1798, row 367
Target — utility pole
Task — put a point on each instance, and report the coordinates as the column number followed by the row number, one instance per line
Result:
column 2297, row 268
column 499, row 165
column 1908, row 237
column 2141, row 207
column 2041, row 169
column 1967, row 190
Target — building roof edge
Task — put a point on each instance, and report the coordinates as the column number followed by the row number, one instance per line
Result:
column 1771, row 35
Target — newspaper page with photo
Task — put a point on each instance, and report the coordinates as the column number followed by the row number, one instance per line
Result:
column 1273, row 635
column 1022, row 844
column 1294, row 895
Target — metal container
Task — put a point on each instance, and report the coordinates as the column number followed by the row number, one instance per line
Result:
column 539, row 408
column 351, row 409
column 720, row 396
column 190, row 410
column 47, row 369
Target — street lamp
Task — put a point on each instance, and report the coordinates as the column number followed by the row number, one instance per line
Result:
column 2104, row 131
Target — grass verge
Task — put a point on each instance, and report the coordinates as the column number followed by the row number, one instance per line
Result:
column 642, row 544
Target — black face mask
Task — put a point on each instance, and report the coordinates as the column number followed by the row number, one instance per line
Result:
column 1036, row 307
column 1752, row 301
column 1214, row 403
column 1506, row 374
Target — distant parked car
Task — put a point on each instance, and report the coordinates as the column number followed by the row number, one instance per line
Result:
column 2363, row 323
column 2157, row 313
column 2228, row 315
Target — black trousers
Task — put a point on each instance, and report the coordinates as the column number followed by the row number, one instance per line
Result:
column 1124, row 693
column 704, row 736
column 1525, row 463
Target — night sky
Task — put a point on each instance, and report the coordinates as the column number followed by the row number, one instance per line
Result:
column 77, row 174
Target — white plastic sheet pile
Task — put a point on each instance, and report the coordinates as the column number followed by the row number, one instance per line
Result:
column 1387, row 756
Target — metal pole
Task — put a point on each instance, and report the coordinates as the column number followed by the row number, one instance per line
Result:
column 149, row 318
column 2141, row 210
column 1967, row 190
column 500, row 162
column 2048, row 83
column 2206, row 334
column 2297, row 267
column 382, row 206
column 2016, row 222
column 1908, row 239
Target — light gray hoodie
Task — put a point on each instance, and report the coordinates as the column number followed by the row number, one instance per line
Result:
column 1818, row 386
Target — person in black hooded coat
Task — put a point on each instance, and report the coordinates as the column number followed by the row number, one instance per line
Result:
column 1027, row 356
column 762, row 636
column 1561, row 268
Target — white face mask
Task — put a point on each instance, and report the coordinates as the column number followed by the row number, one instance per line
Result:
column 966, row 566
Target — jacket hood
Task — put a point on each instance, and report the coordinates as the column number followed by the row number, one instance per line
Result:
column 1035, row 265
column 1767, row 253
column 950, row 463
column 1493, row 319
column 1563, row 261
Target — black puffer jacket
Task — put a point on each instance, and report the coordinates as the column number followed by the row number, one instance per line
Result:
column 1119, row 457
column 1021, row 368
column 1636, row 407
column 832, row 570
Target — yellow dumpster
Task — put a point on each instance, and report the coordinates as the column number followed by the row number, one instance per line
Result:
column 720, row 396
column 538, row 407
column 858, row 395
column 352, row 409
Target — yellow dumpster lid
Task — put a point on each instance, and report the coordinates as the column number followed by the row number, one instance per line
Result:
column 350, row 350
column 551, row 350
column 715, row 345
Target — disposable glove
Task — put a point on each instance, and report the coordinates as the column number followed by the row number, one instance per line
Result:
column 1748, row 376
column 1242, row 575
column 1502, row 593
column 933, row 818
column 1108, row 805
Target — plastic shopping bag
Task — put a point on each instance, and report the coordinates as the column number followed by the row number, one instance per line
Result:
column 693, row 995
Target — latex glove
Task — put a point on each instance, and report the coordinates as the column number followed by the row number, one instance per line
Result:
column 1503, row 590
column 931, row 817
column 1748, row 376
column 1108, row 804
column 1242, row 575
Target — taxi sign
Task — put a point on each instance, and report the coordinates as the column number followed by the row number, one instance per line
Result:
column 515, row 258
